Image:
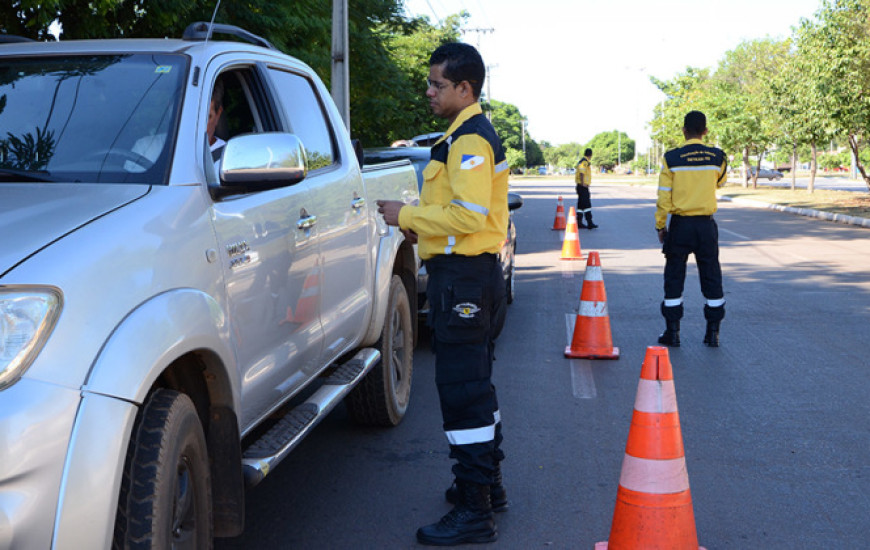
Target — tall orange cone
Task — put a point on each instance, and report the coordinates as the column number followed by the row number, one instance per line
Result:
column 559, row 221
column 592, row 339
column 571, row 242
column 653, row 502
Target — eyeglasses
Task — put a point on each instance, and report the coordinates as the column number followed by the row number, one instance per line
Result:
column 440, row 86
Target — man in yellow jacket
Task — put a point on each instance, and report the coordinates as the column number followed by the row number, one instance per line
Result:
column 687, row 191
column 459, row 226
column 583, row 179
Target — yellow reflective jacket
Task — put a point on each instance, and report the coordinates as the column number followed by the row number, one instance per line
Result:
column 688, row 181
column 463, row 203
column 586, row 169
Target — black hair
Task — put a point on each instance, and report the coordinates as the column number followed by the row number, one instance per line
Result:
column 461, row 62
column 695, row 123
column 217, row 94
column 587, row 153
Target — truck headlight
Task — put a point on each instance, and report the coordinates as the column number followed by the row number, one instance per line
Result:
column 27, row 316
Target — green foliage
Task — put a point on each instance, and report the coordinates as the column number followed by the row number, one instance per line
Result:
column 388, row 53
column 685, row 92
column 515, row 159
column 508, row 123
column 610, row 147
column 562, row 156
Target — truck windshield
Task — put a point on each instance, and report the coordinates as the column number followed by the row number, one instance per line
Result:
column 90, row 118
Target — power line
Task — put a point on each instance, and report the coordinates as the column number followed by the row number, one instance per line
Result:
column 479, row 31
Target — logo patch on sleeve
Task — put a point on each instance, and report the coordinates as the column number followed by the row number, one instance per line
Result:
column 470, row 162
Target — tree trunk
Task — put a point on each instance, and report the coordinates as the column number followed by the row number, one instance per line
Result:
column 793, row 166
column 745, row 173
column 853, row 145
column 814, row 164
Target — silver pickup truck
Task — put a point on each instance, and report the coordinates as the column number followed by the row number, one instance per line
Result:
column 176, row 314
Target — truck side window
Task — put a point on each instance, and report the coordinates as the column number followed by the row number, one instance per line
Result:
column 239, row 117
column 306, row 116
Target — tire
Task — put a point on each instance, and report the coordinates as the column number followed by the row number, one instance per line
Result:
column 382, row 397
column 165, row 500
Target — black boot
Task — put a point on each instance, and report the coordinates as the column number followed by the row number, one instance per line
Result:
column 580, row 224
column 470, row 521
column 589, row 223
column 711, row 338
column 671, row 336
column 497, row 493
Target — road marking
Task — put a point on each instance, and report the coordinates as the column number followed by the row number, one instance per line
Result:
column 738, row 235
column 582, row 381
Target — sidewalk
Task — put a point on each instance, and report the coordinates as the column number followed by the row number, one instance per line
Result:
column 839, row 218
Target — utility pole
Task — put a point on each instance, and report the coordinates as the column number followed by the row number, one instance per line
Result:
column 488, row 88
column 340, row 61
column 525, row 162
column 479, row 31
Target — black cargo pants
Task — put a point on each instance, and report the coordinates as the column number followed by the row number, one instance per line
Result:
column 584, row 204
column 466, row 300
column 698, row 235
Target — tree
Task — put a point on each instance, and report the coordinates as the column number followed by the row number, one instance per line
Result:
column 609, row 147
column 838, row 47
column 508, row 123
column 388, row 53
column 562, row 156
column 737, row 98
column 684, row 93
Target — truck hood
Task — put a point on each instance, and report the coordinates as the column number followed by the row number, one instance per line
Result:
column 33, row 215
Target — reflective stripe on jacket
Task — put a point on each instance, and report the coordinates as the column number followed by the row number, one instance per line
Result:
column 463, row 204
column 688, row 181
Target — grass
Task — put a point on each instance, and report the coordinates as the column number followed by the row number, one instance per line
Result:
column 849, row 203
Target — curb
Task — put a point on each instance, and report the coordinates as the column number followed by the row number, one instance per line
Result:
column 839, row 218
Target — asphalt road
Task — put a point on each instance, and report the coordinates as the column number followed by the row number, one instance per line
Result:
column 775, row 422
column 822, row 181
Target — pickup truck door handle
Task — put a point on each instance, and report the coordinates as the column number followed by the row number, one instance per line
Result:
column 306, row 222
column 357, row 203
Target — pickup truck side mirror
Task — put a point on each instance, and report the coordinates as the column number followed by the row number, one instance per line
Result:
column 515, row 200
column 257, row 162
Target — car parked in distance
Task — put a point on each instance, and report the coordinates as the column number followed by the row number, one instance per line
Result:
column 764, row 173
column 419, row 157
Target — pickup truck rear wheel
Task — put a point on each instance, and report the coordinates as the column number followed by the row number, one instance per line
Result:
column 165, row 499
column 381, row 398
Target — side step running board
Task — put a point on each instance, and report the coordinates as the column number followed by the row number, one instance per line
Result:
column 265, row 453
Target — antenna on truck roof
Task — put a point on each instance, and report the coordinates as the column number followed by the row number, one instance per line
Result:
column 211, row 23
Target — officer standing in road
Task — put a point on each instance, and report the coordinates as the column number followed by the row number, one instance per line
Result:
column 687, row 191
column 583, row 178
column 460, row 222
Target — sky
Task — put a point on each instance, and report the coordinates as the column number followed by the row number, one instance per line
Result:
column 575, row 68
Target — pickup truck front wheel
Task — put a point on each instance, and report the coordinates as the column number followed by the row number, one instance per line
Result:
column 381, row 398
column 165, row 499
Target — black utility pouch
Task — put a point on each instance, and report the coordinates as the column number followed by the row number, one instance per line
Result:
column 467, row 317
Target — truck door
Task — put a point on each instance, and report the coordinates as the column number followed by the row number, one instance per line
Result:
column 272, row 268
column 338, row 200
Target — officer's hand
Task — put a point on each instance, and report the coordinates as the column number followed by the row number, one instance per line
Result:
column 663, row 233
column 410, row 236
column 390, row 211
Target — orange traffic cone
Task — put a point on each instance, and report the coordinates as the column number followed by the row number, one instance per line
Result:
column 653, row 502
column 306, row 304
column 559, row 221
column 592, row 339
column 571, row 242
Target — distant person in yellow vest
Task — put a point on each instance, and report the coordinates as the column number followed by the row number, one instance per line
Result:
column 583, row 178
